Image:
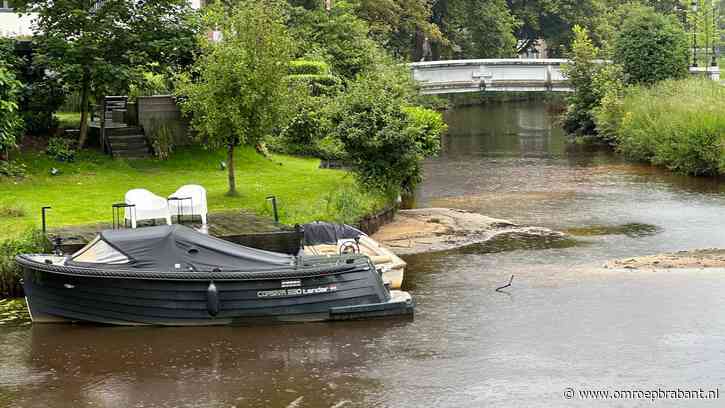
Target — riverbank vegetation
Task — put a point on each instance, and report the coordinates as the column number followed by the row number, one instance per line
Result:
column 679, row 124
column 633, row 93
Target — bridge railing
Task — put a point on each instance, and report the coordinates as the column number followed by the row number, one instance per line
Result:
column 502, row 75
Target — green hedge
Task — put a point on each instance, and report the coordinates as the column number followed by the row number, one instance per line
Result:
column 33, row 241
column 679, row 124
column 307, row 67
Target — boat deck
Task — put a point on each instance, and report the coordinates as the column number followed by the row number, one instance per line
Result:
column 237, row 226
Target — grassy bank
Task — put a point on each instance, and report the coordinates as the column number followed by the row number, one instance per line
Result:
column 84, row 190
column 678, row 124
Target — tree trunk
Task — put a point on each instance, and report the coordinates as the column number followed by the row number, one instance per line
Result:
column 85, row 91
column 230, row 168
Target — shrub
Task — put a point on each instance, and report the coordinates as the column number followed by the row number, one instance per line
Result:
column 580, row 71
column 381, row 141
column 306, row 127
column 33, row 241
column 12, row 169
column 677, row 123
column 61, row 149
column 330, row 148
column 651, row 47
column 162, row 141
column 307, row 67
column 11, row 124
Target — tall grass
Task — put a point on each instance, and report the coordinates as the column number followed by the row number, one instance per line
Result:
column 679, row 124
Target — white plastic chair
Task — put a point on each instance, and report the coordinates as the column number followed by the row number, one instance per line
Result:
column 190, row 200
column 147, row 206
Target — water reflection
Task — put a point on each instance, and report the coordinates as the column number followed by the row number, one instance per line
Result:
column 565, row 321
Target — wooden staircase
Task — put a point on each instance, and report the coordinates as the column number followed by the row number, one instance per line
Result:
column 128, row 142
column 118, row 138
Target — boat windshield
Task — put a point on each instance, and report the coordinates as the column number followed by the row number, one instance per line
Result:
column 99, row 251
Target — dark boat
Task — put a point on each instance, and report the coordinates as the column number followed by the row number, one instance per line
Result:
column 174, row 275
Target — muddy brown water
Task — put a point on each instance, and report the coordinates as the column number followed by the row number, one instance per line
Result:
column 565, row 321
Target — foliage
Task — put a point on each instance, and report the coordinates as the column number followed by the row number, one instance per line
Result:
column 580, row 72
column 651, row 47
column 11, row 124
column 95, row 180
column 307, row 126
column 308, row 67
column 12, row 169
column 102, row 49
column 150, row 84
column 675, row 123
column 400, row 26
column 61, row 149
column 162, row 141
column 480, row 31
column 330, row 148
column 237, row 92
column 339, row 36
column 380, row 141
column 31, row 241
column 553, row 20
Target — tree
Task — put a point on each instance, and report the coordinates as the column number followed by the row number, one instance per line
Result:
column 400, row 25
column 339, row 36
column 474, row 29
column 102, row 46
column 651, row 47
column 11, row 124
column 580, row 71
column 553, row 20
column 383, row 142
column 237, row 93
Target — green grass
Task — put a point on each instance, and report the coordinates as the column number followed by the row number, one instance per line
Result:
column 86, row 189
column 68, row 119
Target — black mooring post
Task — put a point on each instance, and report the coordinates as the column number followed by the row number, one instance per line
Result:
column 42, row 211
column 274, row 208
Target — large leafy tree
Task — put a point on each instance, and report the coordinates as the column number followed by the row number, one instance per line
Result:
column 237, row 92
column 400, row 26
column 553, row 20
column 651, row 47
column 474, row 29
column 102, row 46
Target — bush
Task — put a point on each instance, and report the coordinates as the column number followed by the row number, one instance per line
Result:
column 677, row 123
column 651, row 47
column 42, row 93
column 162, row 141
column 307, row 67
column 11, row 124
column 381, row 141
column 306, row 127
column 61, row 149
column 12, row 169
column 33, row 241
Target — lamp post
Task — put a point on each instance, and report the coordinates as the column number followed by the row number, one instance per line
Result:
column 713, row 60
column 694, row 33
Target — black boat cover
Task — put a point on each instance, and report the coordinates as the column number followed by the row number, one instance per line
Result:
column 176, row 247
column 319, row 232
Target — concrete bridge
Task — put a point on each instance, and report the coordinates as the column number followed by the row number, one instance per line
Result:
column 502, row 75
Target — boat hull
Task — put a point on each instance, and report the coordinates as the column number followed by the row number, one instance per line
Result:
column 56, row 297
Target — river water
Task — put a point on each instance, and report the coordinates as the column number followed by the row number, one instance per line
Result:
column 564, row 323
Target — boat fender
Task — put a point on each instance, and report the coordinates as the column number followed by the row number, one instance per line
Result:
column 212, row 299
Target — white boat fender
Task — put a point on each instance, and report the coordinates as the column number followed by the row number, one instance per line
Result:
column 212, row 299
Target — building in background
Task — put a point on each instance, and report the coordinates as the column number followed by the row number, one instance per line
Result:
column 12, row 24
